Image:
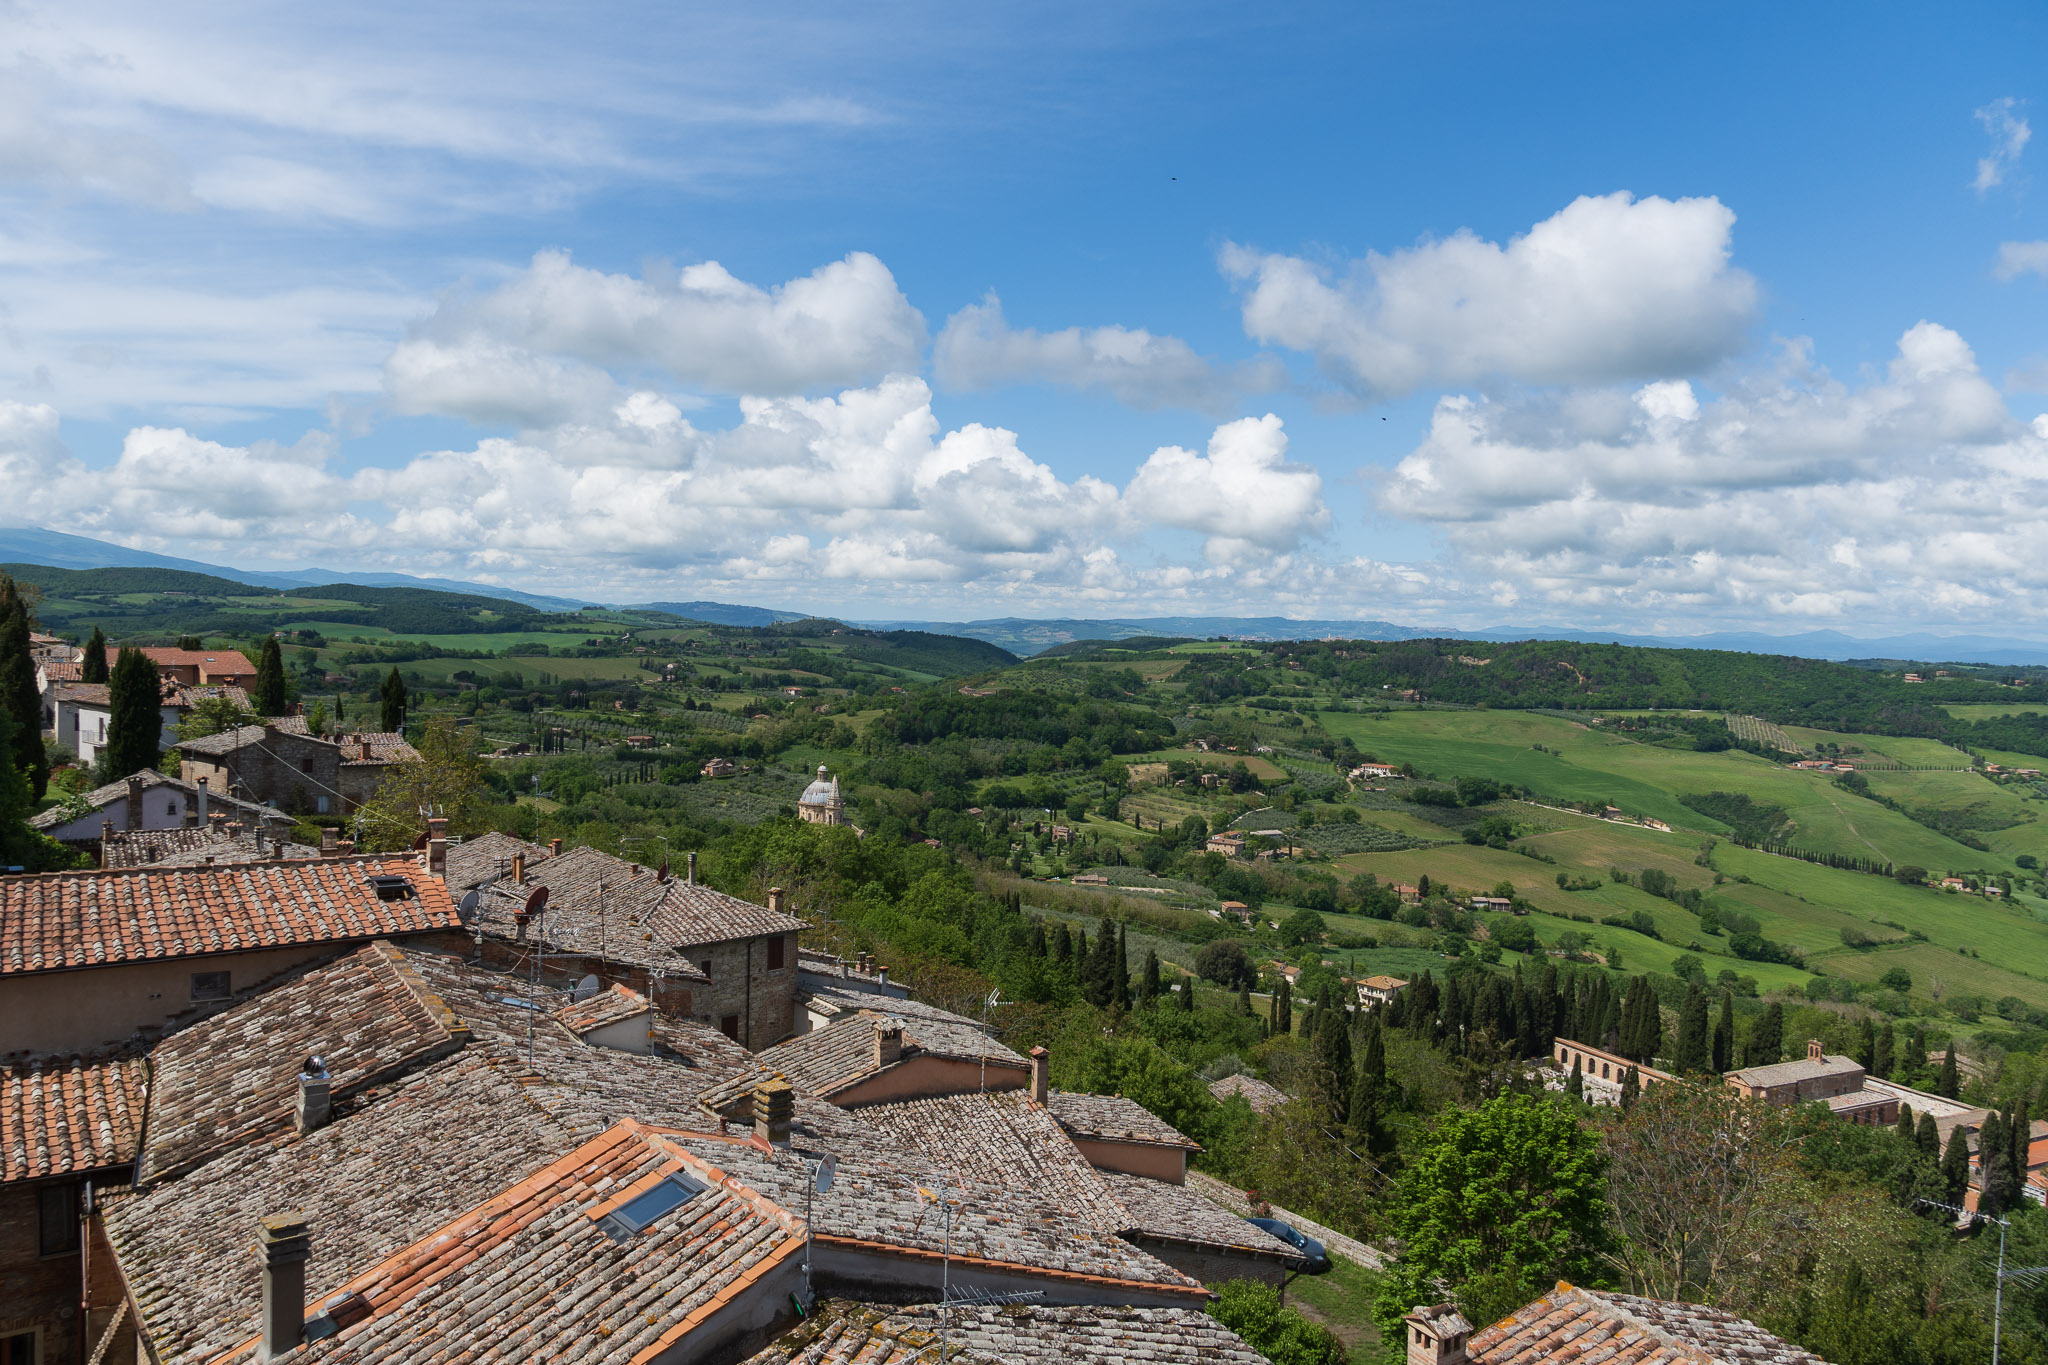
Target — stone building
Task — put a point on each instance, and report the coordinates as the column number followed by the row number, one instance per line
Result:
column 821, row 803
column 282, row 763
column 1837, row 1082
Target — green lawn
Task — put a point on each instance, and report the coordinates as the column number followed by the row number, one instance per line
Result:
column 1342, row 1301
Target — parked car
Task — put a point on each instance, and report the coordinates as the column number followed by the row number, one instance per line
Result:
column 1309, row 1248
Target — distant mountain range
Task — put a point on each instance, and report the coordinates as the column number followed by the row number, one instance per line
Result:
column 1027, row 636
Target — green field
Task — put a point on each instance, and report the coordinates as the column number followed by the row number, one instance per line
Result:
column 1646, row 779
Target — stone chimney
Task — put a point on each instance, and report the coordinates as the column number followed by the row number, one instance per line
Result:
column 881, row 974
column 437, row 847
column 555, row 851
column 315, row 1107
column 775, row 900
column 690, row 869
column 1437, row 1336
column 1814, row 1053
column 842, row 969
column 285, row 1243
column 1041, row 1074
column 106, row 843
column 202, row 800
column 774, row 1106
column 888, row 1042
column 330, row 842
column 519, row 867
column 260, row 842
column 134, row 803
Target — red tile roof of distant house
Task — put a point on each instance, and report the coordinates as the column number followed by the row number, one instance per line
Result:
column 58, row 921
column 64, row 1115
column 225, row 662
column 1573, row 1325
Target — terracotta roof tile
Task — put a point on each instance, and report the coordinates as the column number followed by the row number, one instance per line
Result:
column 830, row 1059
column 1258, row 1094
column 233, row 1078
column 1116, row 1119
column 488, row 857
column 613, row 1005
column 841, row 1333
column 59, row 920
column 69, row 1114
column 1572, row 1326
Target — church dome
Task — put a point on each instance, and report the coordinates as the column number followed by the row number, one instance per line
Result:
column 823, row 792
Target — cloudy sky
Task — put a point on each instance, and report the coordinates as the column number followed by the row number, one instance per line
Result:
column 1655, row 318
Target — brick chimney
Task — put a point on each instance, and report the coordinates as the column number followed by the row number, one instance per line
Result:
column 774, row 1106
column 285, row 1243
column 555, row 851
column 106, row 843
column 437, row 847
column 775, row 900
column 888, row 1042
column 315, row 1106
column 134, row 803
column 1437, row 1336
column 1813, row 1050
column 1041, row 1074
column 519, row 867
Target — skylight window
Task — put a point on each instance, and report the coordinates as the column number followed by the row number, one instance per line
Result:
column 637, row 1213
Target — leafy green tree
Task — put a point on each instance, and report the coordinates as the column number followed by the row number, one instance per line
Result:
column 93, row 669
column 1498, row 1204
column 1225, row 962
column 18, row 687
column 1896, row 979
column 447, row 777
column 268, row 695
column 1303, row 926
column 391, row 702
column 1252, row 1309
column 135, row 723
column 212, row 715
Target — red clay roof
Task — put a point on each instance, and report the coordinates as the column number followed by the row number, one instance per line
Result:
column 56, row 921
column 66, row 1114
column 222, row 661
column 1584, row 1325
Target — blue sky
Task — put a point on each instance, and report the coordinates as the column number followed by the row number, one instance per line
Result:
column 1464, row 314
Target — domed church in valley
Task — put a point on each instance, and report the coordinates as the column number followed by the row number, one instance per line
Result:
column 821, row 803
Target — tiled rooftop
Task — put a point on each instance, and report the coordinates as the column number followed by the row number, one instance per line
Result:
column 194, row 846
column 223, row 661
column 233, row 1079
column 58, row 920
column 1114, row 1118
column 101, row 797
column 488, row 857
column 1257, row 1093
column 385, row 747
column 1572, row 1326
column 530, row 1254
column 68, row 1114
column 828, row 1060
column 841, row 1333
column 602, row 906
column 1162, row 1209
column 1788, row 1073
column 613, row 1005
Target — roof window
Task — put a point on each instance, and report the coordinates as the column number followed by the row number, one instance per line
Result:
column 642, row 1209
column 392, row 888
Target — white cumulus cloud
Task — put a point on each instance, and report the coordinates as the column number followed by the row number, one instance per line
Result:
column 1607, row 288
column 2021, row 258
column 2009, row 135
column 978, row 349
column 1242, row 493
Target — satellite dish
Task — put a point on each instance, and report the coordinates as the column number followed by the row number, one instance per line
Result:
column 825, row 1169
column 536, row 901
column 586, row 988
column 466, row 907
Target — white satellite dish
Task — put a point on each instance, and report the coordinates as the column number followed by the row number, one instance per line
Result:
column 467, row 907
column 586, row 988
column 826, row 1168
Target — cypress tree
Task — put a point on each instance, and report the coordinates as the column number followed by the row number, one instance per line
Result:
column 1631, row 1089
column 1122, row 978
column 1949, row 1084
column 1284, row 1013
column 1766, row 1037
column 16, row 805
column 1148, row 985
column 2020, row 1135
column 1887, row 1048
column 1371, row 1096
column 1905, row 1124
column 268, row 698
column 391, row 699
column 1866, row 1046
column 1724, row 1035
column 135, row 716
column 1185, row 1001
column 1061, row 946
column 94, row 667
column 1994, row 1155
column 18, row 689
column 1929, row 1137
column 1955, row 1164
column 1694, row 1052
column 1244, row 1001
column 1333, row 1062
column 1575, row 1084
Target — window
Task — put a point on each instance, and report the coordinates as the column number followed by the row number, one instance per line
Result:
column 171, row 808
column 211, row 986
column 323, row 805
column 642, row 1209
column 774, row 954
column 705, row 967
column 19, row 1349
column 730, row 1027
column 57, row 1216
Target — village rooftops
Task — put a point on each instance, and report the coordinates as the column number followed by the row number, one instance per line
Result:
column 856, row 1047
column 99, row 798
column 1263, row 1098
column 843, row 1333
column 64, row 921
column 70, row 1114
column 210, row 662
column 196, row 845
column 1794, row 1072
column 614, row 1005
column 1572, row 1325
column 1112, row 1118
column 488, row 857
column 372, row 748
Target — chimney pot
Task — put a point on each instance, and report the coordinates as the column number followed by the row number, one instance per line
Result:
column 774, row 1107
column 330, row 841
column 259, row 838
column 315, row 1103
column 775, row 899
column 1041, row 1074
column 555, row 848
column 690, row 864
column 285, row 1243
column 888, row 1042
column 519, row 867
